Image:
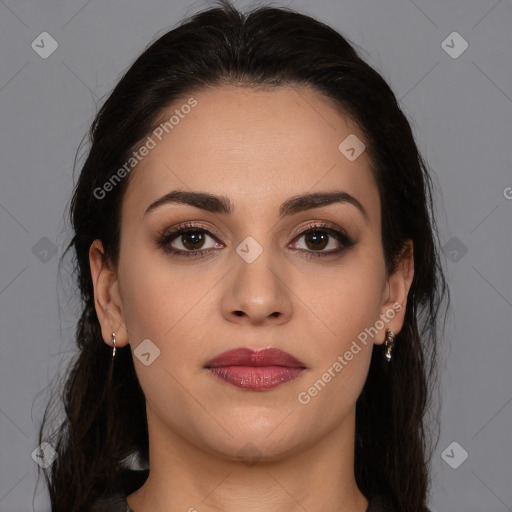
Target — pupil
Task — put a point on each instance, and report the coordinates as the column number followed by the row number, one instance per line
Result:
column 193, row 238
column 320, row 239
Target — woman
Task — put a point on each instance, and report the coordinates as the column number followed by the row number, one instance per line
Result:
column 258, row 262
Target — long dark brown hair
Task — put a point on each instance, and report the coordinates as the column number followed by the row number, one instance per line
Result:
column 104, row 406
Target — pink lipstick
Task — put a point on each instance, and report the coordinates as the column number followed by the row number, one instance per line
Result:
column 255, row 370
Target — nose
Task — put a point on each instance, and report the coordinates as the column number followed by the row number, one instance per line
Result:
column 257, row 293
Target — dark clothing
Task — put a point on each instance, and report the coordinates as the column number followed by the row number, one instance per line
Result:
column 131, row 480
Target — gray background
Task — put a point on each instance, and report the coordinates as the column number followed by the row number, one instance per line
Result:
column 461, row 112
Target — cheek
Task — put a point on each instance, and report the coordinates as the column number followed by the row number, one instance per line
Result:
column 147, row 304
column 154, row 295
column 348, row 313
column 345, row 347
column 160, row 308
column 164, row 303
column 347, row 299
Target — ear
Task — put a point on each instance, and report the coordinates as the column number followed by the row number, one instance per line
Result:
column 107, row 299
column 395, row 293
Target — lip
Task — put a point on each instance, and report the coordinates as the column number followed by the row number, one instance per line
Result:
column 255, row 370
column 249, row 357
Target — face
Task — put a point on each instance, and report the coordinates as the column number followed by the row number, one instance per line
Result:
column 306, row 278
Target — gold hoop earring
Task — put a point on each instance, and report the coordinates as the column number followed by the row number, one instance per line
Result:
column 390, row 337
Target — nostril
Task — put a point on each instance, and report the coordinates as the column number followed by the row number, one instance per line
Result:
column 239, row 313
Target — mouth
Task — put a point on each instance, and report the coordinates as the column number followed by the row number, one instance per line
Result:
column 255, row 370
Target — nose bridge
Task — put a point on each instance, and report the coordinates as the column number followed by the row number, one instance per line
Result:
column 257, row 286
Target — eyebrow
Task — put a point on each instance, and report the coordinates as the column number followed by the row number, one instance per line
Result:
column 223, row 205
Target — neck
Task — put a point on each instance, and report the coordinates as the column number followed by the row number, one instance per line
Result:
column 184, row 477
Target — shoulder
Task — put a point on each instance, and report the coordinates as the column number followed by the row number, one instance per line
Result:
column 128, row 481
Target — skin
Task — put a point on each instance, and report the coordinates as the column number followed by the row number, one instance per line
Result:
column 258, row 148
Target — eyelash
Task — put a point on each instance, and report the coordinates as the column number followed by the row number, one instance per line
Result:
column 163, row 239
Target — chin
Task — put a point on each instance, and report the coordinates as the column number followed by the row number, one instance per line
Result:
column 269, row 443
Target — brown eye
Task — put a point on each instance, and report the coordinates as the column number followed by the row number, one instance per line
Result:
column 188, row 240
column 321, row 236
column 192, row 239
column 316, row 240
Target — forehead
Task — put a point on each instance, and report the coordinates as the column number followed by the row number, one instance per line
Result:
column 252, row 146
